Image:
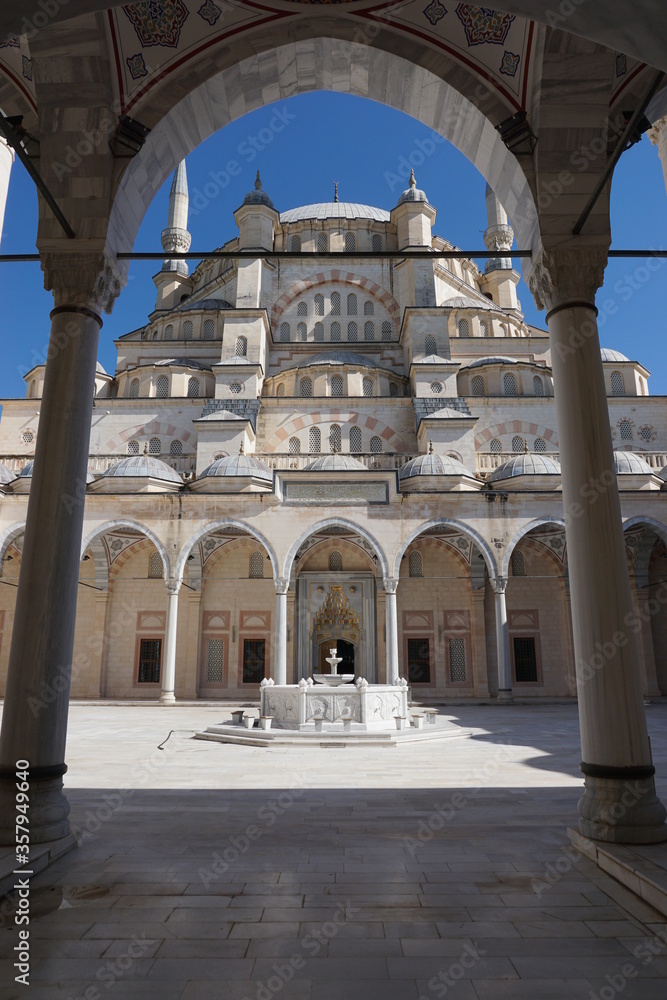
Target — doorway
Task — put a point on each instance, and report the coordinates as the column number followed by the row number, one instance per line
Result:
column 343, row 648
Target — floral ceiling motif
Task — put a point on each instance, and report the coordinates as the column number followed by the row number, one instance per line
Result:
column 157, row 22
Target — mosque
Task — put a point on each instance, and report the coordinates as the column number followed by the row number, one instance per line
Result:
column 360, row 452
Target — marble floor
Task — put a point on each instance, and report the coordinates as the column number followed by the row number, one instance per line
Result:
column 222, row 872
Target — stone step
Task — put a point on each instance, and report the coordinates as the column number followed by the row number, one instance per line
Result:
column 641, row 869
column 41, row 856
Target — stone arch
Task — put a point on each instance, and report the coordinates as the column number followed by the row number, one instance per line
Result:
column 447, row 522
column 642, row 556
column 215, row 526
column 339, row 522
column 102, row 529
column 154, row 428
column 100, row 562
column 326, row 416
column 358, row 282
column 516, row 427
column 8, row 536
column 538, row 522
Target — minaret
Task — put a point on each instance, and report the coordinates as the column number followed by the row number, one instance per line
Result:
column 500, row 279
column 174, row 274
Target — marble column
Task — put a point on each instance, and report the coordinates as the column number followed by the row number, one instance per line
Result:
column 6, row 161
column 658, row 136
column 619, row 803
column 391, row 618
column 280, row 641
column 502, row 642
column 167, row 696
column 34, row 722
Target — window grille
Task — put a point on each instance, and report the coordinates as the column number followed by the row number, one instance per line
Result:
column 235, row 388
column 133, row 447
column 436, row 388
column 355, row 440
column 215, row 658
column 457, row 661
column 295, row 244
column 393, row 389
column 169, row 332
column 626, row 430
column 617, row 385
column 314, row 441
column 525, row 660
column 162, row 387
column 319, row 305
column 509, row 384
column 285, row 333
column 176, row 447
column 386, row 330
column 496, row 446
column 369, row 330
column 352, row 304
column 350, row 242
column 28, row 437
column 155, row 568
column 337, row 385
column 352, row 331
column 478, row 388
column 280, row 391
column 335, row 332
column 419, row 661
column 518, row 564
column 430, row 346
column 464, row 328
column 376, row 445
column 209, row 329
column 335, row 562
column 335, row 438
column 322, row 243
column 367, row 386
column 256, row 566
column 369, row 308
column 154, row 446
column 319, row 332
column 306, row 387
column 301, row 333
column 377, row 243
column 294, row 446
column 483, row 328
column 150, row 659
column 193, row 388
column 538, row 388
column 646, row 434
column 335, row 303
column 187, row 330
column 241, row 349
column 134, row 388
column 302, row 308
column 518, row 444
column 416, row 564
column 540, row 444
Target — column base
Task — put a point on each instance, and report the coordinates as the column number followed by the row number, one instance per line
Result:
column 505, row 697
column 167, row 698
column 622, row 811
column 48, row 813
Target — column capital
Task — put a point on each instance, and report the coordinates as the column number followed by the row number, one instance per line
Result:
column 566, row 275
column 82, row 279
column 390, row 585
column 499, row 584
column 658, row 133
column 173, row 586
column 281, row 585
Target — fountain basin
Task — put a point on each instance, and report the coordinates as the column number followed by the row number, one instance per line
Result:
column 361, row 707
column 333, row 680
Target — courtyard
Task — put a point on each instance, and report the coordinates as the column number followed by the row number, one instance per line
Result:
column 212, row 872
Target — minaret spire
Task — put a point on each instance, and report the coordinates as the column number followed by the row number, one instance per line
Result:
column 499, row 235
column 176, row 236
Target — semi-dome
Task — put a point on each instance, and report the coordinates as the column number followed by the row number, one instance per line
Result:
column 526, row 465
column 627, row 463
column 336, row 463
column 238, row 465
column 335, row 210
column 99, row 369
column 608, row 354
column 337, row 358
column 433, row 465
column 258, row 197
column 412, row 193
column 183, row 363
column 142, row 467
column 205, row 304
column 493, row 359
column 26, row 471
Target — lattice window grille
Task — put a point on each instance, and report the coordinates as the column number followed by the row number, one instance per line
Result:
column 335, row 562
column 294, row 446
column 337, row 385
column 162, row 387
column 215, row 658
column 155, row 568
column 154, row 446
column 416, row 564
column 193, row 388
column 352, row 332
column 457, row 661
column 355, row 440
column 176, row 447
column 256, row 566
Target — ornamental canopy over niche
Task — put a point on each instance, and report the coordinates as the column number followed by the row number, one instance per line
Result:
column 337, row 612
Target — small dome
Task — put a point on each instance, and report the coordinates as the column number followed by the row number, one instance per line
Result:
column 494, row 359
column 467, row 302
column 26, row 471
column 526, row 465
column 258, row 197
column 99, row 369
column 449, row 413
column 183, row 363
column 219, row 415
column 627, row 463
column 142, row 467
column 335, row 210
column 336, row 463
column 338, row 358
column 5, row 475
column 205, row 304
column 412, row 193
column 433, row 465
column 238, row 465
column 607, row 354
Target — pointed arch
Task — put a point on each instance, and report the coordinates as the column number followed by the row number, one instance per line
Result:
column 339, row 522
column 126, row 522
column 227, row 522
column 447, row 522
column 538, row 522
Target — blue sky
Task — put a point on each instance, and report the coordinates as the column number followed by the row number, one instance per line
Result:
column 302, row 146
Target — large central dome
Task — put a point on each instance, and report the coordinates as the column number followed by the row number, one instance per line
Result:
column 335, row 210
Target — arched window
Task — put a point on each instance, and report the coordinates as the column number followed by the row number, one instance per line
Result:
column 483, row 328
column 241, row 349
column 518, row 444
column 416, row 564
column 430, row 346
column 280, row 391
column 335, row 331
column 285, row 333
column 209, row 329
column 319, row 332
column 294, row 446
column 617, row 385
column 350, row 242
column 187, row 330
column 134, row 388
column 538, row 388
column 155, row 568
column 169, row 332
column 337, row 385
column 509, row 384
column 295, row 244
column 301, row 333
column 386, row 330
column 322, row 243
column 369, row 330
column 162, row 387
column 369, row 308
column 154, row 446
column 352, row 331
column 464, row 328
column 626, row 430
column 646, row 434
column 176, row 447
column 540, row 445
column 335, row 438
column 133, row 447
column 377, row 243
column 302, row 308
column 376, row 445
column 496, row 447
column 306, row 387
column 477, row 386
column 319, row 305
column 518, row 564
column 335, row 303
column 352, row 304
column 355, row 440
column 367, row 386
column 335, row 561
column 256, row 566
column 393, row 389
column 193, row 388
column 314, row 441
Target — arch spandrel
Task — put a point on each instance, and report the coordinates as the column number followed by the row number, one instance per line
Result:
column 448, row 523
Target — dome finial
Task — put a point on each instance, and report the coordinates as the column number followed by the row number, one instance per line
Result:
column 413, row 179
column 430, row 447
column 258, row 182
column 241, row 451
column 525, row 448
column 146, row 448
column 335, row 449
column 336, row 191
